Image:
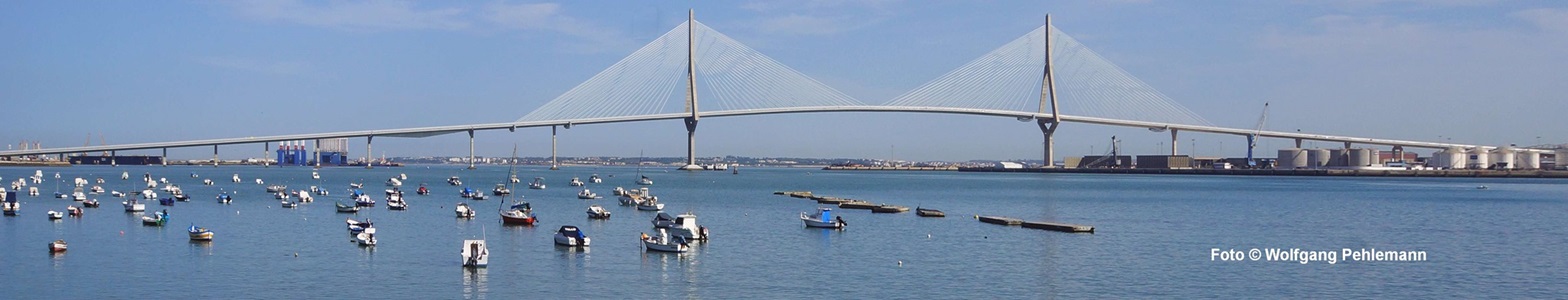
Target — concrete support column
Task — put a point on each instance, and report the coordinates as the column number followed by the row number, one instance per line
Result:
column 112, row 161
column 215, row 156
column 368, row 164
column 554, row 164
column 471, row 150
column 1347, row 145
column 691, row 145
column 1048, row 127
column 165, row 158
column 317, row 155
column 1298, row 143
column 1173, row 141
column 265, row 147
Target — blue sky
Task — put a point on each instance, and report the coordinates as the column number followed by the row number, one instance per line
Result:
column 1487, row 72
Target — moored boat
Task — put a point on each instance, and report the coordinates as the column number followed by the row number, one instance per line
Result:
column 520, row 213
column 538, row 183
column 225, row 198
column 346, row 208
column 587, row 195
column 645, row 181
column 397, row 203
column 454, row 181
column 73, row 211
column 356, row 226
column 598, row 212
column 199, row 233
column 664, row 243
column 90, row 203
column 366, row 238
column 570, row 236
column 595, row 179
column 55, row 215
column 475, row 254
column 501, row 190
column 683, row 225
column 11, row 206
column 463, row 211
column 650, row 204
column 156, row 219
column 57, row 246
column 824, row 218
column 422, row 190
column 575, row 182
column 889, row 209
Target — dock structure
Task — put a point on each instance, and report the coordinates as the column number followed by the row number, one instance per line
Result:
column 858, row 204
column 1000, row 220
column 1071, row 228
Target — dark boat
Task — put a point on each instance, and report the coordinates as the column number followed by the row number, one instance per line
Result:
column 926, row 212
column 889, row 209
column 166, row 201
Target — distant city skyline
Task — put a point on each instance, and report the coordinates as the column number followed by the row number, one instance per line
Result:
column 1481, row 72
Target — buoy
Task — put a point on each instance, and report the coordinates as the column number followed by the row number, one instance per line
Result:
column 296, row 254
column 122, row 232
column 900, row 263
column 928, row 236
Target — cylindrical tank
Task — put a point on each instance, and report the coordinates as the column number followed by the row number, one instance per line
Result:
column 1529, row 160
column 1479, row 158
column 1317, row 158
column 1439, row 159
column 1503, row 157
column 1337, row 157
column 1358, row 157
column 1292, row 158
column 1456, row 157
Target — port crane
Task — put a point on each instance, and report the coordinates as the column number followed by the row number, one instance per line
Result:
column 1252, row 139
column 1116, row 147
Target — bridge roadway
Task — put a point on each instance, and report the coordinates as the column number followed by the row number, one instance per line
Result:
column 440, row 130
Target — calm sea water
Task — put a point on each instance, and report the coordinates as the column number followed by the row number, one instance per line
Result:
column 1154, row 239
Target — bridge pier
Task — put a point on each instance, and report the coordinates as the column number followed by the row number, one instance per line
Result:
column 471, row 150
column 1173, row 142
column 1298, row 143
column 264, row 147
column 1347, row 145
column 691, row 145
column 215, row 156
column 165, row 158
column 112, row 161
column 368, row 155
column 1048, row 128
column 317, row 154
column 554, row 164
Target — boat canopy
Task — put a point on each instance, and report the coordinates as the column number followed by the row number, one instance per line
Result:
column 663, row 217
column 571, row 231
column 826, row 215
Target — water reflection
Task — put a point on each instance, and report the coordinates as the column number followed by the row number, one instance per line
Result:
column 474, row 283
column 201, row 248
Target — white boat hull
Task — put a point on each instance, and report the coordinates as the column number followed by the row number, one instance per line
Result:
column 475, row 254
column 571, row 242
column 814, row 223
column 652, row 207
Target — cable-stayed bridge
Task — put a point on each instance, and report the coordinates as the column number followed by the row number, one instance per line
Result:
column 694, row 72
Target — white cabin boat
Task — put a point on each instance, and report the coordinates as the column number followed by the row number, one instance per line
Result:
column 683, row 225
column 824, row 218
column 664, row 243
column 587, row 195
column 463, row 211
column 366, row 238
column 570, row 236
column 475, row 254
column 538, row 183
column 576, row 182
column 598, row 212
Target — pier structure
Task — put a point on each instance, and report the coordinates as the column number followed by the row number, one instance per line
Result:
column 1077, row 85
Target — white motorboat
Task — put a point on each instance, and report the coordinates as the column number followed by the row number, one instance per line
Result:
column 55, row 215
column 149, row 194
column 454, row 181
column 595, row 179
column 206, row 182
column 78, row 195
column 397, row 203
column 664, row 243
column 356, row 226
column 276, row 188
column 259, row 182
column 618, row 191
column 650, row 204
column 570, row 236
column 96, row 190
column 463, row 211
column 824, row 218
column 538, row 183
column 684, row 225
column 288, row 204
column 402, row 176
column 11, row 207
column 236, row 178
column 156, row 219
column 576, row 182
column 125, row 175
column 314, row 175
column 394, row 182
column 633, row 197
column 598, row 212
column 57, row 246
column 304, row 196
column 475, row 254
column 224, row 198
column 116, row 194
column 364, row 200
column 132, row 205
column 587, row 195
column 501, row 190
column 514, row 179
column 645, row 181
column 366, row 238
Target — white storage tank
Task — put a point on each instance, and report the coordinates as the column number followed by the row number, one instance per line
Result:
column 1317, row 158
column 1503, row 157
column 1358, row 157
column 1529, row 160
column 1338, row 157
column 1292, row 158
column 1478, row 158
column 1456, row 158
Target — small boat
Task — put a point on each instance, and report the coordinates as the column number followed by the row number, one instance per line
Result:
column 366, row 238
column 148, row 194
column 73, row 211
column 598, row 212
column 346, row 208
column 633, row 197
column 314, row 175
column 587, row 195
column 132, row 205
column 463, row 211
column 683, row 225
column 288, row 204
column 125, row 175
column 199, row 234
column 11, row 206
column 501, row 190
column 319, row 191
column 479, row 196
column 475, row 254
column 276, row 188
column 356, row 226
column 618, row 191
column 57, row 246
column 570, row 236
column 468, row 193
column 156, row 219
column 1482, row 187
column 514, row 179
column 206, row 182
column 538, row 183
column 356, row 185
column 304, row 196
column 224, row 198
column 927, row 212
column 166, row 201
column 182, row 197
column 454, row 181
column 236, row 178
column 650, row 204
column 595, row 179
column 576, row 182
column 397, row 204
column 55, row 215
column 422, row 190
column 645, row 181
column 402, row 176
column 394, row 182
column 90, row 203
column 364, row 200
column 822, row 219
column 520, row 213
column 664, row 243
column 97, row 189
column 259, row 182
